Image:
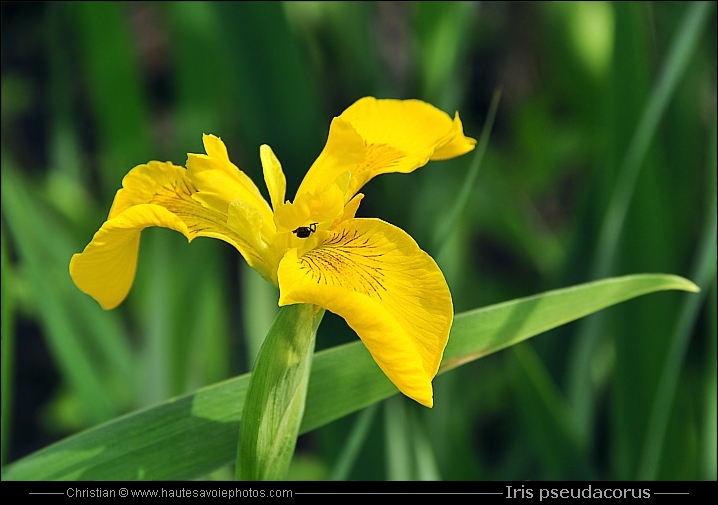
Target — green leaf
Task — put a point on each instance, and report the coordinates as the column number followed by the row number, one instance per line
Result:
column 192, row 435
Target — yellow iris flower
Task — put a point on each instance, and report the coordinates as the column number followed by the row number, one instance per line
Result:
column 313, row 249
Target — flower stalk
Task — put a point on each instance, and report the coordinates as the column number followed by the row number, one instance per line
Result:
column 274, row 405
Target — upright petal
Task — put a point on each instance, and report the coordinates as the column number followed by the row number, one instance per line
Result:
column 351, row 208
column 397, row 136
column 155, row 194
column 389, row 291
column 219, row 182
column 273, row 176
column 344, row 152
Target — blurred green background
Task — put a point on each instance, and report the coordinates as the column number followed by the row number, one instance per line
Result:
column 602, row 161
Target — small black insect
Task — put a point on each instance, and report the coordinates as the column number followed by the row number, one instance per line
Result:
column 305, row 231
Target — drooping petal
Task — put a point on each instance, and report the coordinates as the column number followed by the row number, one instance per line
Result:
column 389, row 291
column 105, row 270
column 397, row 136
column 154, row 194
column 219, row 182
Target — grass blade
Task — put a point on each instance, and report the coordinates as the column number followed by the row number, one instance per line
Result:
column 682, row 48
column 447, row 226
column 689, row 33
column 354, row 443
column 704, row 272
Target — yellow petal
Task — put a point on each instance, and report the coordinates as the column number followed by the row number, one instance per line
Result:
column 389, row 291
column 219, row 182
column 106, row 268
column 343, row 152
column 413, row 127
column 397, row 136
column 155, row 194
column 144, row 183
column 273, row 176
column 351, row 208
column 246, row 222
column 458, row 145
column 320, row 207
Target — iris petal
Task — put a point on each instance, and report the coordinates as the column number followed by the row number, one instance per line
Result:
column 106, row 268
column 246, row 222
column 219, row 182
column 351, row 208
column 458, row 145
column 155, row 194
column 389, row 291
column 343, row 152
column 273, row 176
column 411, row 126
column 374, row 137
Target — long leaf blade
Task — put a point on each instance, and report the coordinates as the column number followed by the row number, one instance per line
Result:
column 192, row 435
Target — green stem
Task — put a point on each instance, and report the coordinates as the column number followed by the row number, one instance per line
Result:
column 274, row 406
